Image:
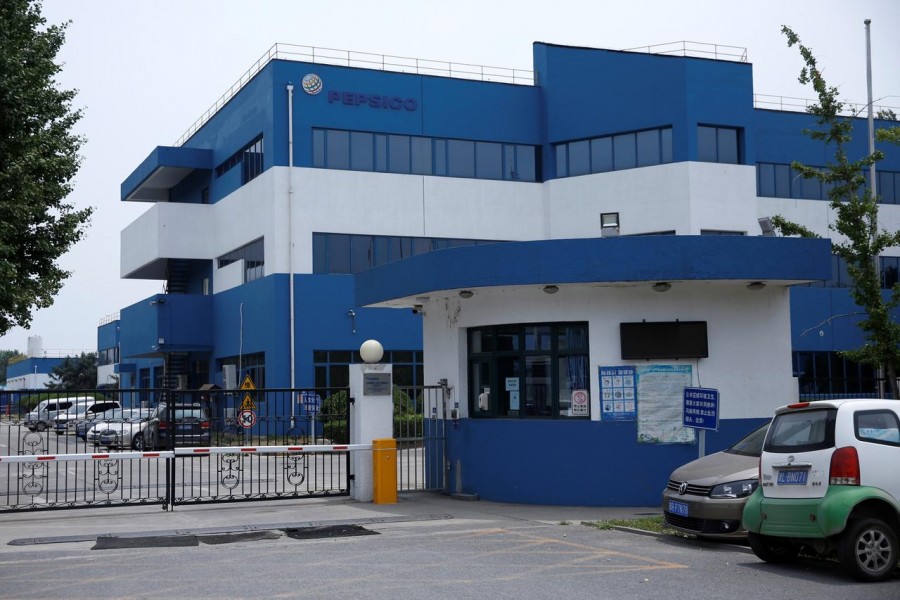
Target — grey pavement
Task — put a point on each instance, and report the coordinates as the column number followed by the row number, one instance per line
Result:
column 44, row 527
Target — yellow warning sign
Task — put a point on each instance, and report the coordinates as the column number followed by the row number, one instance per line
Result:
column 248, row 403
column 247, row 384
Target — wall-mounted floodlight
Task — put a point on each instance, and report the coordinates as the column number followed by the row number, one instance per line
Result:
column 765, row 225
column 662, row 286
column 551, row 289
column 756, row 285
column 609, row 224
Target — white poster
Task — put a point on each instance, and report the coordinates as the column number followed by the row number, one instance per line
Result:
column 660, row 390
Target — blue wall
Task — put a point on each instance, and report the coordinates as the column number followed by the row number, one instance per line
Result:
column 574, row 463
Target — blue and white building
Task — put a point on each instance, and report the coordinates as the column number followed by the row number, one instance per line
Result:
column 567, row 247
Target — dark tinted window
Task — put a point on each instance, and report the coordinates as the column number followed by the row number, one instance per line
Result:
column 751, row 444
column 802, row 431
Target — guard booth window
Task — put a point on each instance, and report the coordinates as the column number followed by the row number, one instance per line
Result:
column 528, row 371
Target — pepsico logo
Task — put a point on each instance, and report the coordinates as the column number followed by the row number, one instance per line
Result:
column 312, row 84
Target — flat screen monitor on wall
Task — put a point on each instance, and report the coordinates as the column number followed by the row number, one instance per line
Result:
column 664, row 339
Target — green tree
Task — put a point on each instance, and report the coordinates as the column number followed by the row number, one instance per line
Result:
column 6, row 357
column 38, row 159
column 75, row 373
column 856, row 221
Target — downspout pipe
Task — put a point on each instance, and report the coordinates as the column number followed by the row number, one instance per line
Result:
column 290, row 240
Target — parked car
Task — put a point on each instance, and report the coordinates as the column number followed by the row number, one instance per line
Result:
column 190, row 427
column 64, row 422
column 127, row 432
column 41, row 418
column 706, row 496
column 82, row 425
column 829, row 473
column 92, row 436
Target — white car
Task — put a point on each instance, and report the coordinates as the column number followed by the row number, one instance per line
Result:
column 829, row 482
column 93, row 433
column 127, row 432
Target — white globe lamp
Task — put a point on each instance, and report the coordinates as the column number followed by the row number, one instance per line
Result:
column 371, row 351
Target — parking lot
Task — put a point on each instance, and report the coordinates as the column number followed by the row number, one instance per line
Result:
column 426, row 545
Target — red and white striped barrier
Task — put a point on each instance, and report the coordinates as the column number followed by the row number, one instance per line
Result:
column 37, row 458
column 271, row 449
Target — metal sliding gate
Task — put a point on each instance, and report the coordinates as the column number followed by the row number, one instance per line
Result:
column 187, row 447
column 198, row 446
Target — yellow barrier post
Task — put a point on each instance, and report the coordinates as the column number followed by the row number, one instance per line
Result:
column 384, row 471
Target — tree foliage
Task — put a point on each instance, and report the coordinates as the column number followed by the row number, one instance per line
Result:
column 6, row 357
column 860, row 240
column 38, row 159
column 75, row 373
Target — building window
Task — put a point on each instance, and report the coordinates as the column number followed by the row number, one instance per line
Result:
column 253, row 365
column 345, row 253
column 527, row 371
column 110, row 356
column 781, row 181
column 254, row 257
column 718, row 144
column 250, row 158
column 418, row 155
column 890, row 266
column 614, row 152
column 332, row 367
column 720, row 232
column 825, row 375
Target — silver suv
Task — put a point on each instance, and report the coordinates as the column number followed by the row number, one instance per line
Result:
column 829, row 482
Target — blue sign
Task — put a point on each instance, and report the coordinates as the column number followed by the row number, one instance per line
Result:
column 618, row 393
column 310, row 401
column 701, row 408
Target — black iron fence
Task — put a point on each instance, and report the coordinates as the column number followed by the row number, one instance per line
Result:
column 171, row 446
column 827, row 388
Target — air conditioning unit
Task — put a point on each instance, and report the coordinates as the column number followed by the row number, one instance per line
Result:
column 229, row 377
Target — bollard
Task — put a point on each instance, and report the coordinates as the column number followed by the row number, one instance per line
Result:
column 384, row 471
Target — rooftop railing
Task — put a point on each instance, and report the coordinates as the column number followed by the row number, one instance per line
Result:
column 363, row 60
column 440, row 68
column 787, row 103
column 695, row 50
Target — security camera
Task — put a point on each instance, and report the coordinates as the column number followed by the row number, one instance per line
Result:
column 418, row 310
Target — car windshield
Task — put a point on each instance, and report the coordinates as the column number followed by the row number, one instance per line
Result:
column 751, row 444
column 111, row 414
column 802, row 431
column 140, row 414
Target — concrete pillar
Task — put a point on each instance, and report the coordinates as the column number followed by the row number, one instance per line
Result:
column 371, row 418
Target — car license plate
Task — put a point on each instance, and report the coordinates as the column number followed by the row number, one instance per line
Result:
column 792, row 476
column 678, row 508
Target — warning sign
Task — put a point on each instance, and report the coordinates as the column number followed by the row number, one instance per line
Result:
column 248, row 403
column 247, row 418
column 580, row 403
column 247, row 384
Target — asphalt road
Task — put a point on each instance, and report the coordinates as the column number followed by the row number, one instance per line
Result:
column 476, row 550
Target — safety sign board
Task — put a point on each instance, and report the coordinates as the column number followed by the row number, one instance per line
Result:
column 247, row 418
column 247, row 384
column 248, row 403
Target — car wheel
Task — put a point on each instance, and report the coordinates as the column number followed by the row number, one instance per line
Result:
column 868, row 550
column 137, row 442
column 771, row 550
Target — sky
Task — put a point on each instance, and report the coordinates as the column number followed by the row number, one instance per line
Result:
column 145, row 70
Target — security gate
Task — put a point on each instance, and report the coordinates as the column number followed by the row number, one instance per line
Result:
column 191, row 447
column 420, row 421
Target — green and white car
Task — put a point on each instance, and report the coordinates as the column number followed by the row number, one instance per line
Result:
column 830, row 481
